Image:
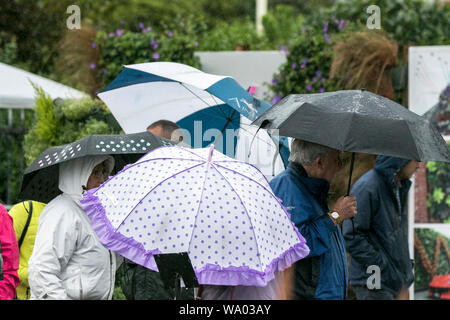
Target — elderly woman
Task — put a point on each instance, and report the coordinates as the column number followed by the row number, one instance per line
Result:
column 68, row 260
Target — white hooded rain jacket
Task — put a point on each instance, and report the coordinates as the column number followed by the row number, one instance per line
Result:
column 68, row 260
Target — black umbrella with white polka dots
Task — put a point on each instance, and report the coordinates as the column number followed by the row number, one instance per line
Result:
column 40, row 180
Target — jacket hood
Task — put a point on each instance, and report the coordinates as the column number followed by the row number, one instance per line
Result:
column 74, row 174
column 388, row 166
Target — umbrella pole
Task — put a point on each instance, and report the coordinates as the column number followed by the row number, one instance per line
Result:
column 348, row 188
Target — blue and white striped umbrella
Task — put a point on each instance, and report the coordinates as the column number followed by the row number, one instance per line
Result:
column 144, row 93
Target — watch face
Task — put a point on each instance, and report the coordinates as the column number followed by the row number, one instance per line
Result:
column 335, row 215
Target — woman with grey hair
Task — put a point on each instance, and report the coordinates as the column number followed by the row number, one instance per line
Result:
column 303, row 188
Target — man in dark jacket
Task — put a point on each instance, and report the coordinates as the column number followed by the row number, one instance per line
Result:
column 380, row 264
column 303, row 188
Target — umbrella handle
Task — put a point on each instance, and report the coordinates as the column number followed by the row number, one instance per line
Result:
column 350, row 175
column 348, row 189
column 263, row 124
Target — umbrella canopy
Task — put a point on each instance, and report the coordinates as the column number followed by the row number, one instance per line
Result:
column 222, row 212
column 357, row 121
column 144, row 93
column 40, row 180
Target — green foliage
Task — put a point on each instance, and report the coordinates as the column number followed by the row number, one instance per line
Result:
column 231, row 36
column 438, row 198
column 308, row 63
column 416, row 22
column 11, row 157
column 65, row 121
column 8, row 49
column 281, row 25
column 428, row 238
column 47, row 124
column 125, row 47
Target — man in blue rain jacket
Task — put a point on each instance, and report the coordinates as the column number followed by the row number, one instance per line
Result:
column 303, row 188
column 378, row 246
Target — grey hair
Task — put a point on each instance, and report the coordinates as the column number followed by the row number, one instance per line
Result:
column 304, row 152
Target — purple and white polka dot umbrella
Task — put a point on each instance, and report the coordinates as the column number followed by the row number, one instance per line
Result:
column 219, row 210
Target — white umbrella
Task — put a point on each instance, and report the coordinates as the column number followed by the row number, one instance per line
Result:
column 144, row 93
column 222, row 212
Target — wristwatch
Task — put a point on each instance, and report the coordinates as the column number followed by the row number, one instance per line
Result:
column 335, row 217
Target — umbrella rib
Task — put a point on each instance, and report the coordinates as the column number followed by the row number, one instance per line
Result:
column 248, row 215
column 154, row 189
column 200, row 202
column 182, row 84
column 270, row 192
column 415, row 145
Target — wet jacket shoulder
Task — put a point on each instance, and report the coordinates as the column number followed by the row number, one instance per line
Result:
column 380, row 235
column 20, row 213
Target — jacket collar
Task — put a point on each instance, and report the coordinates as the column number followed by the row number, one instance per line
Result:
column 316, row 186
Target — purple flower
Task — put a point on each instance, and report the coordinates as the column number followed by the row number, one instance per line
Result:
column 282, row 47
column 196, row 44
column 314, row 79
column 275, row 99
column 141, row 26
column 321, row 90
column 119, row 32
column 105, row 71
column 148, row 29
column 318, row 73
column 322, row 80
column 92, row 66
column 111, row 34
column 93, row 44
column 274, row 81
column 305, row 61
column 325, row 27
column 336, row 21
column 154, row 44
column 341, row 24
column 156, row 56
column 308, row 87
column 327, row 38
column 170, row 34
column 294, row 65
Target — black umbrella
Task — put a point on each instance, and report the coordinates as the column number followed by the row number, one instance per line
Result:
column 356, row 121
column 40, row 180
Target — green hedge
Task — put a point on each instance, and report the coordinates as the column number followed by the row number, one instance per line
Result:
column 65, row 121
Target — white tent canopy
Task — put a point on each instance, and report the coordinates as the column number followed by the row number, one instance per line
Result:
column 16, row 90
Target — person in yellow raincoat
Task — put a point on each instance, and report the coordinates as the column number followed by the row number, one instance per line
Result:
column 25, row 218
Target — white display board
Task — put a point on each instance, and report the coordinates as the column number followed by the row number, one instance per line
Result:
column 428, row 75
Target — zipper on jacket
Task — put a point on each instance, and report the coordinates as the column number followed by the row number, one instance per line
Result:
column 111, row 282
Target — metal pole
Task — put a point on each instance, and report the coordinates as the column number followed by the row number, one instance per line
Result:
column 9, row 157
column 261, row 10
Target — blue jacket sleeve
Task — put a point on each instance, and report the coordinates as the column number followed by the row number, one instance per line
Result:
column 315, row 227
column 357, row 242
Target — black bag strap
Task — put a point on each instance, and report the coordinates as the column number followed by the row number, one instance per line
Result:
column 24, row 231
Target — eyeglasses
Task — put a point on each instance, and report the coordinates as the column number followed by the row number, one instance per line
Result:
column 100, row 173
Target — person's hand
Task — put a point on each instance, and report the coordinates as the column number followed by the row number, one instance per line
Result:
column 346, row 207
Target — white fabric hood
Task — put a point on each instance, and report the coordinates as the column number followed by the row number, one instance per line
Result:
column 74, row 174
